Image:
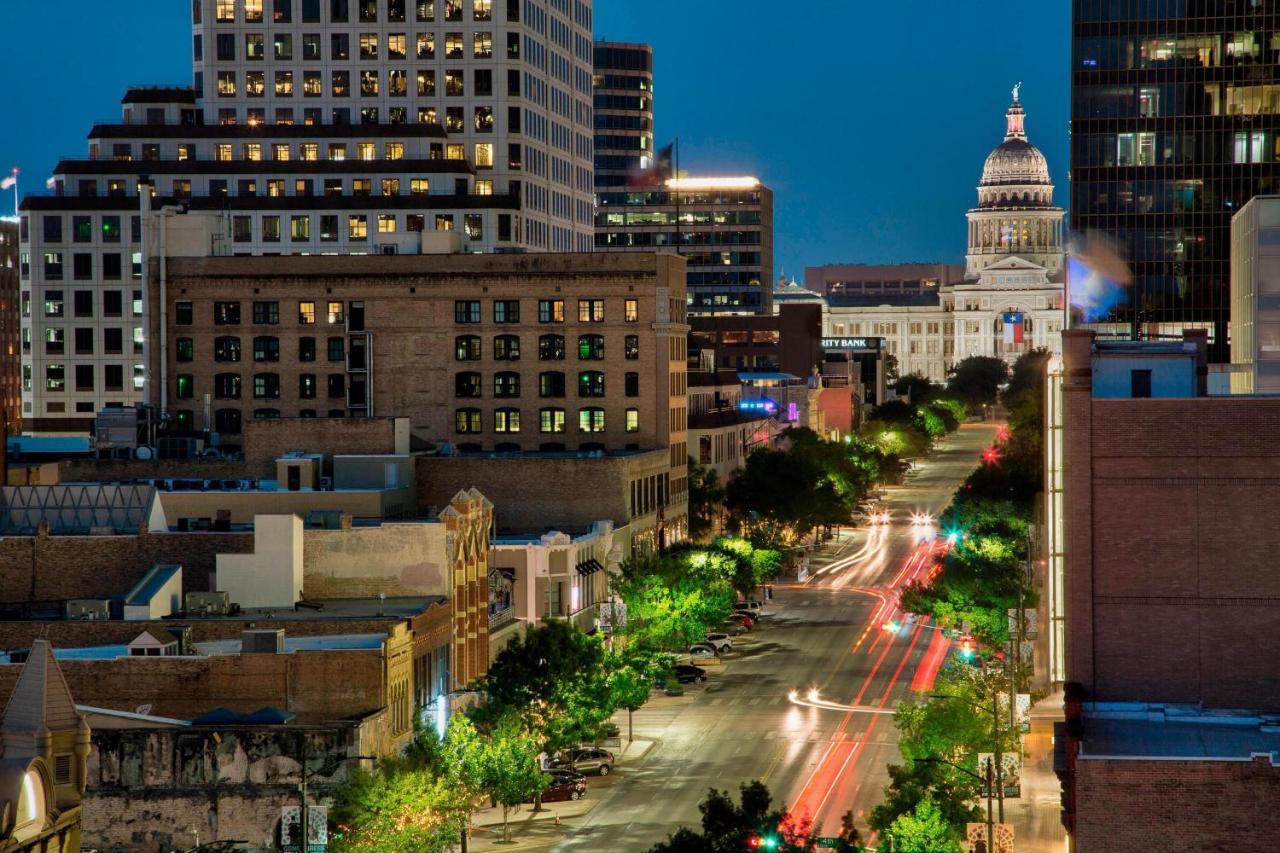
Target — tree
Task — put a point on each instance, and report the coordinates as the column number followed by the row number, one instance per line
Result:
column 727, row 827
column 631, row 681
column 706, row 499
column 398, row 808
column 977, row 379
column 509, row 769
column 917, row 389
column 922, row 831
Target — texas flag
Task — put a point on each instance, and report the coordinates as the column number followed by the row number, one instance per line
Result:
column 1013, row 327
column 11, row 181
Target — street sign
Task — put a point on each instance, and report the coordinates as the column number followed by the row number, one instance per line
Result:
column 317, row 829
column 826, row 842
column 976, row 837
column 1011, row 764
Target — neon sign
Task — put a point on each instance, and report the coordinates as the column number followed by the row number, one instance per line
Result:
column 762, row 406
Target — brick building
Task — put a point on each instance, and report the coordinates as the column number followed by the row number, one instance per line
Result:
column 507, row 340
column 1171, row 642
column 10, row 330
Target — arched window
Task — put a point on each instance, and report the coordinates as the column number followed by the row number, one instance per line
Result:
column 467, row 421
column 266, row 386
column 506, row 348
column 590, row 383
column 591, row 420
column 506, row 420
column 590, row 347
column 466, row 348
column 551, row 421
column 506, row 384
column 551, row 384
column 468, row 384
column 226, row 421
column 226, row 348
column 226, row 386
column 551, row 348
column 266, row 348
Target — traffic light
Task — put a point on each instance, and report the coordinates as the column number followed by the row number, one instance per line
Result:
column 763, row 842
column 966, row 648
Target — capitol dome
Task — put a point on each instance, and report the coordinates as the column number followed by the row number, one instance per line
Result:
column 1016, row 174
column 1015, row 213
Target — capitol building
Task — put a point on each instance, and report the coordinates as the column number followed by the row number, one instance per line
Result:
column 1010, row 297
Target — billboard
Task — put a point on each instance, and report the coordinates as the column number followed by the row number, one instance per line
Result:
column 317, row 829
column 1011, row 762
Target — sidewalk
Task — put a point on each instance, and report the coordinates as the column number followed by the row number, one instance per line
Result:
column 1036, row 815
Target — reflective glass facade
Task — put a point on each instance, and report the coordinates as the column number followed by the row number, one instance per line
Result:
column 1175, row 125
column 623, row 87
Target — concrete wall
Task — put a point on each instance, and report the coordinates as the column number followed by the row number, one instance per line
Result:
column 1176, row 806
column 148, row 788
column 56, row 568
column 272, row 575
column 395, row 559
column 266, row 440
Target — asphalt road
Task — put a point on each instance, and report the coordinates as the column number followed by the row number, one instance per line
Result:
column 754, row 718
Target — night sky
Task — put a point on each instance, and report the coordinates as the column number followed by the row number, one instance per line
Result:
column 869, row 120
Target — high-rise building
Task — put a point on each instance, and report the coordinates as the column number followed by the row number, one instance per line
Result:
column 723, row 226
column 1175, row 120
column 623, row 113
column 311, row 127
column 10, row 324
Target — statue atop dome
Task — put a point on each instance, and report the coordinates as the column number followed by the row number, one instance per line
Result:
column 1016, row 87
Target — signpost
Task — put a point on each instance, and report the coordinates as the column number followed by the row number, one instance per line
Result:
column 317, row 829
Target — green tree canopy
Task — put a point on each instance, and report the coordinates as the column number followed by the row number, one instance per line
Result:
column 977, row 379
column 706, row 499
column 399, row 808
column 924, row 830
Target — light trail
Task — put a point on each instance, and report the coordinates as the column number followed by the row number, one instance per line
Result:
column 813, row 699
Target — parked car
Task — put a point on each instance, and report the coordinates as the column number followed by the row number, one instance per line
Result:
column 687, row 673
column 703, row 651
column 734, row 628
column 564, row 788
column 586, row 760
column 754, row 608
column 744, row 619
column 720, row 641
column 560, row 775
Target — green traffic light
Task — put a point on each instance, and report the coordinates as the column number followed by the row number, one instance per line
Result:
column 770, row 843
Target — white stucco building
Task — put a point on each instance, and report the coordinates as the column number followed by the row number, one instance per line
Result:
column 1012, row 296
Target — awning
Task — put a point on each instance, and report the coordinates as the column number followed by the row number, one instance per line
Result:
column 590, row 567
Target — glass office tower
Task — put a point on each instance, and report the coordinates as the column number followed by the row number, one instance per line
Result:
column 1175, row 125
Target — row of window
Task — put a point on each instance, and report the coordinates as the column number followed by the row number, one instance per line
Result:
column 551, row 384
column 469, row 311
column 266, row 348
column 83, row 341
column 266, row 386
column 551, row 421
column 550, row 348
column 55, row 377
column 369, row 46
column 281, row 84
column 230, row 421
column 55, row 305
column 270, row 227
column 267, row 313
column 340, row 11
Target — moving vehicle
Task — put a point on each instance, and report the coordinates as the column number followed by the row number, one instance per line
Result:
column 586, row 760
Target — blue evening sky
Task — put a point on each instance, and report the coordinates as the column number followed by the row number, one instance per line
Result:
column 869, row 120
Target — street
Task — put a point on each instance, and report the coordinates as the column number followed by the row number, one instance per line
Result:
column 804, row 702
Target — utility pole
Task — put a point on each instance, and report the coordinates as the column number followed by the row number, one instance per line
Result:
column 990, row 791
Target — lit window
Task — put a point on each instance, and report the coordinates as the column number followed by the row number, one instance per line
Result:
column 484, row 187
column 455, row 152
column 284, row 83
column 397, row 46
column 312, row 87
column 453, row 46
column 225, row 12
column 506, row 420
column 227, row 85
column 366, row 150
column 483, row 9
column 252, row 151
column 427, row 88
column 590, row 347
column 307, row 313
column 280, row 151
column 368, row 82
column 391, row 186
column 426, row 46
column 631, row 312
column 255, row 84
column 253, row 11
column 395, row 150
column 300, row 228
column 337, row 151
column 483, row 45
column 551, row 420
column 335, row 313
column 590, row 310
column 484, row 124
column 455, row 85
column 387, row 223
column 357, row 227
column 223, row 152
column 368, row 45
column 468, row 421
column 633, row 420
column 591, row 420
column 397, row 83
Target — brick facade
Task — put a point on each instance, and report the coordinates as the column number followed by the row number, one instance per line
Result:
column 46, row 568
column 1177, row 806
column 1170, row 580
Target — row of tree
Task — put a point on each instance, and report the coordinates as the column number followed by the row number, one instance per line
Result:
column 931, row 795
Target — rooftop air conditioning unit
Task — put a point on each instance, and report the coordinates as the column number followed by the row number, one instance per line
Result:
column 207, row 603
column 262, row 641
column 88, row 610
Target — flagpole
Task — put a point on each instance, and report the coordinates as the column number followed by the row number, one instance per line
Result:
column 679, row 234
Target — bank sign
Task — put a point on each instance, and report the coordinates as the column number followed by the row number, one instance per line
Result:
column 852, row 344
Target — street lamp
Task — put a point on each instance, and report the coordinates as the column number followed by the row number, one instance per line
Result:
column 967, row 772
column 995, row 736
